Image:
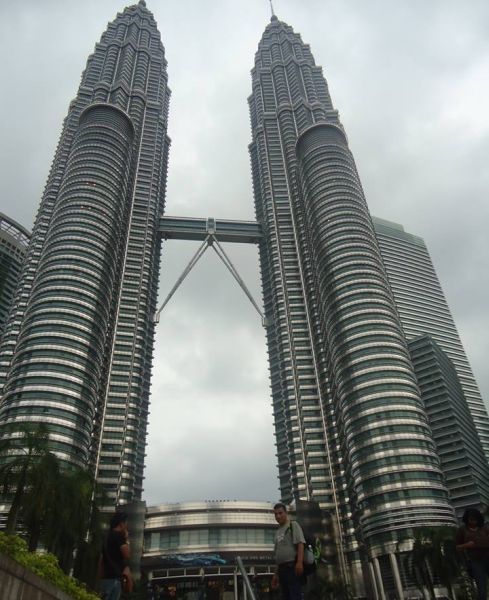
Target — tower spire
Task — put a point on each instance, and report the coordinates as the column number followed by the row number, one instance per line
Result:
column 271, row 8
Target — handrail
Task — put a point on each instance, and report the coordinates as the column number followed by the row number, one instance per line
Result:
column 246, row 579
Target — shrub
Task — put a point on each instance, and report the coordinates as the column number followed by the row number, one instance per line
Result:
column 44, row 565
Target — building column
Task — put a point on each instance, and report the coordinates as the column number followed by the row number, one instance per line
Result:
column 373, row 581
column 380, row 585
column 397, row 576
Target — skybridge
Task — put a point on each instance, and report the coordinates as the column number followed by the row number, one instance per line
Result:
column 211, row 232
column 191, row 228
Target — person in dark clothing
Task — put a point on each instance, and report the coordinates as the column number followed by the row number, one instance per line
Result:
column 473, row 539
column 114, row 557
column 289, row 555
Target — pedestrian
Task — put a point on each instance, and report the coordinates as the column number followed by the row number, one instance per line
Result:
column 473, row 539
column 289, row 555
column 114, row 559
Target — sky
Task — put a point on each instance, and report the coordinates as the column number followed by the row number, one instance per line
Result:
column 411, row 82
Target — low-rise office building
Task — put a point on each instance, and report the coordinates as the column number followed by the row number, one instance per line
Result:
column 190, row 549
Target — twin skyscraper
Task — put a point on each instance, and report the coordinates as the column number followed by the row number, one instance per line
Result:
column 352, row 430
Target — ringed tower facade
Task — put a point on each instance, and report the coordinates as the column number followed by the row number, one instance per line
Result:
column 77, row 349
column 351, row 431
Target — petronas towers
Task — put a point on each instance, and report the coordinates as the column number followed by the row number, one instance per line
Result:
column 352, row 433
column 77, row 349
column 351, row 429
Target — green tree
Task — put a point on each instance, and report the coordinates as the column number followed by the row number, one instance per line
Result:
column 85, row 566
column 40, row 498
column 68, row 520
column 22, row 447
column 55, row 504
column 434, row 559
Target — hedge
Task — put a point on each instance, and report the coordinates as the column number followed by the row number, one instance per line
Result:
column 45, row 566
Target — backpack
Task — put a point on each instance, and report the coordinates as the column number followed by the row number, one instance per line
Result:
column 310, row 556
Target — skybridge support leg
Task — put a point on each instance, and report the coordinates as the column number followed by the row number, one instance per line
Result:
column 219, row 250
column 193, row 261
column 211, row 240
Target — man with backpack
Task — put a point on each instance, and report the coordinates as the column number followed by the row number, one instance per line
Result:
column 289, row 555
column 114, row 570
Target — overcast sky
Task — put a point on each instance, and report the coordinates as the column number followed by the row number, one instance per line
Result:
column 411, row 82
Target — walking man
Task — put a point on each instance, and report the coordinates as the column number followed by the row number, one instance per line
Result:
column 289, row 555
column 114, row 558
